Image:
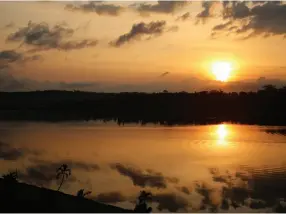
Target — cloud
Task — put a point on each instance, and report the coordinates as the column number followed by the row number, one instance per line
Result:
column 222, row 26
column 97, row 7
column 264, row 19
column 10, row 25
column 255, row 188
column 73, row 164
column 211, row 196
column 41, row 36
column 173, row 28
column 167, row 7
column 73, row 45
column 164, row 74
column 218, row 177
column 184, row 17
column 170, row 202
column 9, row 153
column 155, row 28
column 10, row 56
column 184, row 189
column 236, row 194
column 235, row 189
column 268, row 19
column 39, row 175
column 147, row 178
column 207, row 12
column 235, row 9
column 44, row 173
column 110, row 197
column 268, row 184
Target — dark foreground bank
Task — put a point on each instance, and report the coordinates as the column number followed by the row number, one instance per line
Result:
column 264, row 107
column 21, row 197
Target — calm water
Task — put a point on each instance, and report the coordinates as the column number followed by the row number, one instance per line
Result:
column 184, row 167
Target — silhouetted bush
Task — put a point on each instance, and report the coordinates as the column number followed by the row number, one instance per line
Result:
column 82, row 194
column 141, row 205
column 11, row 177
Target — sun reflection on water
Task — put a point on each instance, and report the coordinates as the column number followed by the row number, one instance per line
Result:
column 222, row 132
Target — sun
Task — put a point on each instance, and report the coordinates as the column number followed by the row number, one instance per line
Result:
column 221, row 70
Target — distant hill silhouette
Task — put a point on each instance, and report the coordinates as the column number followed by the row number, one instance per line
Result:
column 265, row 107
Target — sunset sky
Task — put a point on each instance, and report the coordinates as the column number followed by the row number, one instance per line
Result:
column 141, row 46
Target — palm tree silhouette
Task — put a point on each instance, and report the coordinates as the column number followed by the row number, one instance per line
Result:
column 63, row 172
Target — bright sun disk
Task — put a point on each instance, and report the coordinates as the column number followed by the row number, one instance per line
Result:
column 221, row 70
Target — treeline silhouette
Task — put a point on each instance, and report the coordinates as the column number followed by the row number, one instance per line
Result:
column 265, row 107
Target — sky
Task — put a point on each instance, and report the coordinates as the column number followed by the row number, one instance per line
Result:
column 141, row 46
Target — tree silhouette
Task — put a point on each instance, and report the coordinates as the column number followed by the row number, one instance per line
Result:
column 270, row 88
column 141, row 206
column 63, row 172
column 263, row 107
column 82, row 194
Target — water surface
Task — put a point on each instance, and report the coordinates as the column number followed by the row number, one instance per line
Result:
column 187, row 168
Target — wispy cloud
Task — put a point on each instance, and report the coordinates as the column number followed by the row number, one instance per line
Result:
column 166, row 7
column 40, row 36
column 12, row 57
column 99, row 8
column 139, row 30
column 184, row 17
column 164, row 74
